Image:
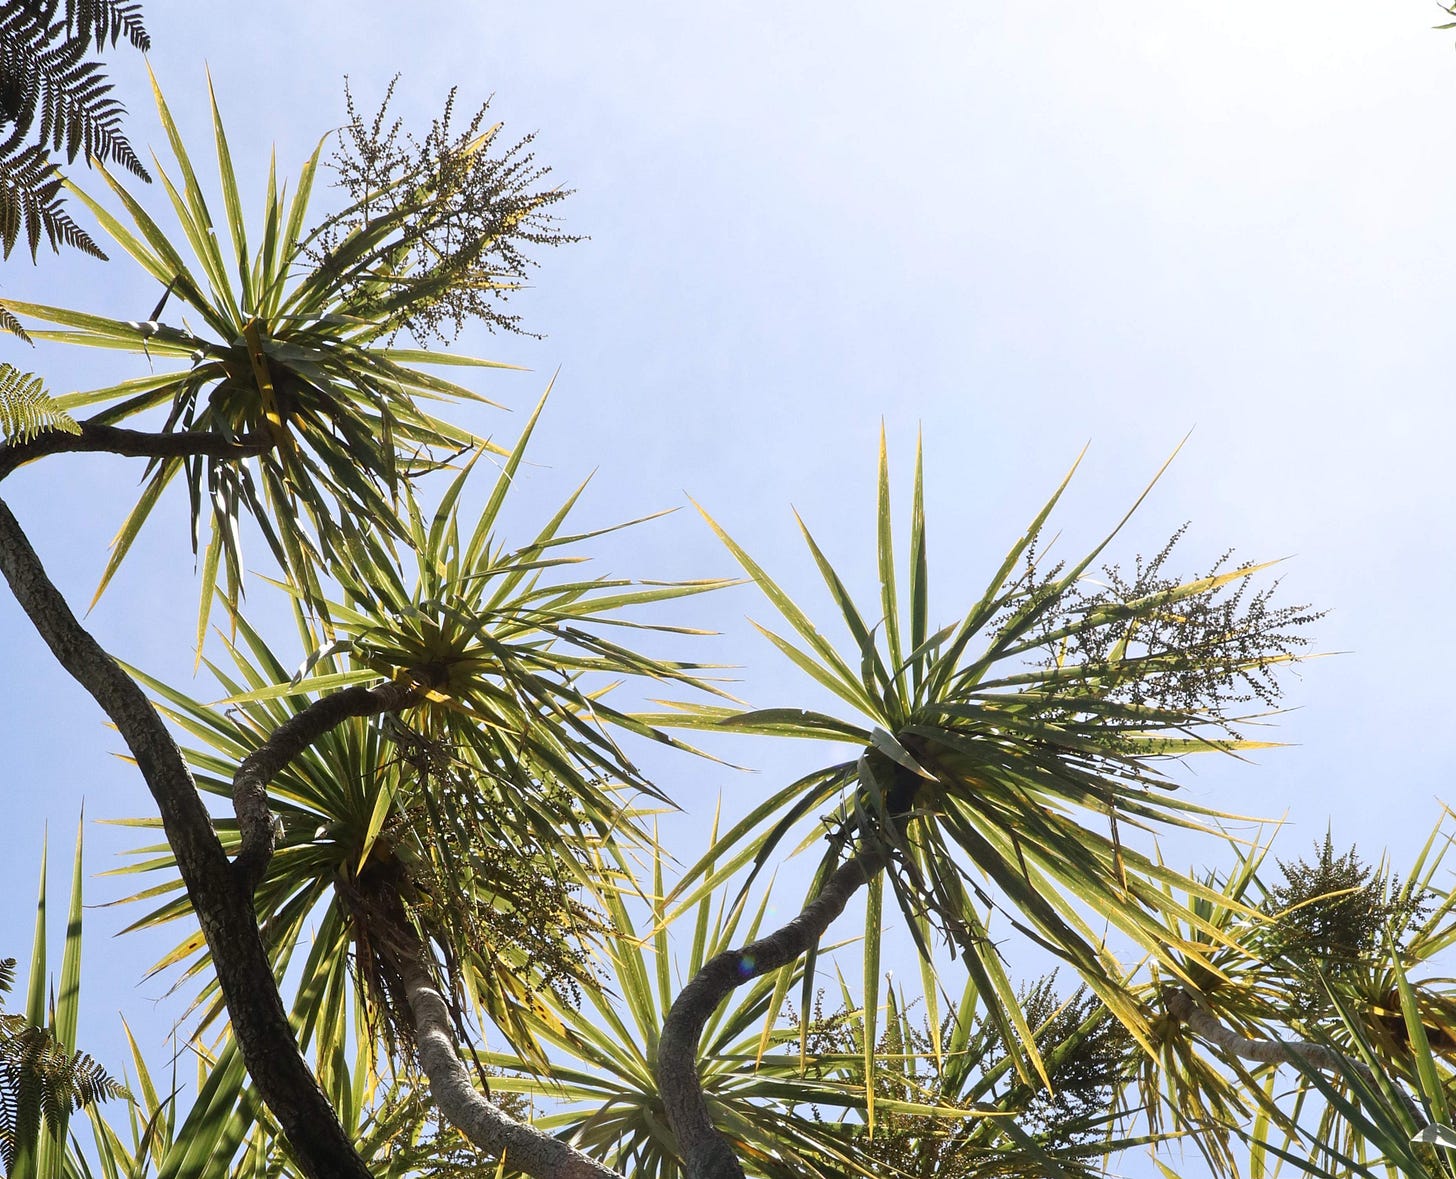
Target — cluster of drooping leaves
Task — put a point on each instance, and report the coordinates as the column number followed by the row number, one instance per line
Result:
column 458, row 856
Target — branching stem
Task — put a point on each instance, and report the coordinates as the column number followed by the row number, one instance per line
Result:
column 1183, row 1007
column 524, row 1147
column 132, row 444
column 707, row 1154
column 287, row 741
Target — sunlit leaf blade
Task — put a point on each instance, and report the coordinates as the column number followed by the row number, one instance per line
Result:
column 874, row 917
column 885, row 552
column 834, row 670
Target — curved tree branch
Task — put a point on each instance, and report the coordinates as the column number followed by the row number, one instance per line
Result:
column 287, row 741
column 132, row 444
column 524, row 1147
column 706, row 1153
column 224, row 911
column 1184, row 1008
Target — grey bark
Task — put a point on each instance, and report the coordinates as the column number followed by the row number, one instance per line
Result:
column 707, row 1154
column 287, row 741
column 224, row 910
column 524, row 1147
column 1183, row 1007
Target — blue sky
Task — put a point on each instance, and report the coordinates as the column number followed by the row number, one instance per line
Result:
column 1018, row 228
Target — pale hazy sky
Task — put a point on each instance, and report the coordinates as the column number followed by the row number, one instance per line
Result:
column 1020, row 227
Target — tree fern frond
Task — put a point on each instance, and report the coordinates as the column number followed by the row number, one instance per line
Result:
column 55, row 99
column 107, row 21
column 26, row 410
column 8, row 323
column 49, row 77
column 30, row 197
column 41, row 1078
column 9, row 1114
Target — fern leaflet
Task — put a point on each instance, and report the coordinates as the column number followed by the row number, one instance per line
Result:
column 26, row 409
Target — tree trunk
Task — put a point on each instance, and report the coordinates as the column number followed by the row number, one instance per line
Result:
column 224, row 910
column 523, row 1147
column 707, row 1154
